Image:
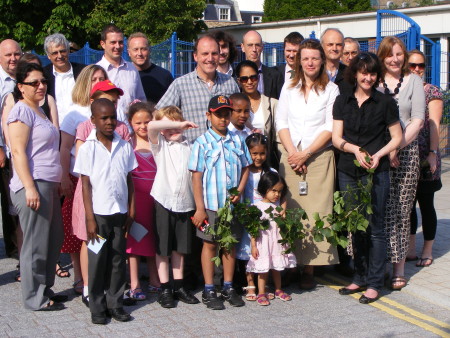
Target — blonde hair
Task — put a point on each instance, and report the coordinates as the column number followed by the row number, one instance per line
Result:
column 83, row 84
column 385, row 50
column 171, row 112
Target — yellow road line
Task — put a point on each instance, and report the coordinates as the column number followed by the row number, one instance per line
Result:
column 400, row 315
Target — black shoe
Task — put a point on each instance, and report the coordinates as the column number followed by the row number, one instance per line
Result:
column 85, row 300
column 185, row 296
column 231, row 296
column 366, row 300
column 165, row 299
column 53, row 307
column 119, row 314
column 212, row 301
column 129, row 301
column 345, row 291
column 98, row 318
column 60, row 298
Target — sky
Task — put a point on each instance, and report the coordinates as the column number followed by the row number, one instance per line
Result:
column 251, row 5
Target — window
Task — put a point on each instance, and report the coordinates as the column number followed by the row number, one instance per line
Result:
column 256, row 19
column 224, row 13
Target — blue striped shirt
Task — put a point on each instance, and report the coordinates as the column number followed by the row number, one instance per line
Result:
column 192, row 95
column 221, row 160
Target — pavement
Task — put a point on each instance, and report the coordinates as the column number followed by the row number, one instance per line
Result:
column 421, row 309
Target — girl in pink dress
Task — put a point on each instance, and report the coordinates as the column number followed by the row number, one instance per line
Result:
column 267, row 253
column 140, row 114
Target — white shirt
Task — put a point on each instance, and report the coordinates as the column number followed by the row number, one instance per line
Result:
column 77, row 114
column 257, row 118
column 306, row 120
column 107, row 172
column 7, row 84
column 261, row 80
column 244, row 133
column 172, row 187
column 64, row 83
column 127, row 78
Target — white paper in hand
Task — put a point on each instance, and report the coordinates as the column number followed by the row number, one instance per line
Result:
column 138, row 231
column 95, row 248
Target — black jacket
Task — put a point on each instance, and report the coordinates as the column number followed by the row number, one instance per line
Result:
column 272, row 81
column 48, row 73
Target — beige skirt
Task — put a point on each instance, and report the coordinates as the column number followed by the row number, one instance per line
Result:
column 320, row 179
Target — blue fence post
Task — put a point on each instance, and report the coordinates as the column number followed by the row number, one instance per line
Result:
column 312, row 35
column 436, row 70
column 378, row 39
column 173, row 48
column 86, row 53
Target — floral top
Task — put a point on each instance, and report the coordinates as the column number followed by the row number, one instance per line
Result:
column 431, row 93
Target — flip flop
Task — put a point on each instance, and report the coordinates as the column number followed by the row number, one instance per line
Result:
column 398, row 283
column 422, row 263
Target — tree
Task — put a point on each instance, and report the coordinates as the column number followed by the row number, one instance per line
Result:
column 29, row 21
column 275, row 10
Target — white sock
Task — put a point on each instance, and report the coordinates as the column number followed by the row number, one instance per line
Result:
column 85, row 291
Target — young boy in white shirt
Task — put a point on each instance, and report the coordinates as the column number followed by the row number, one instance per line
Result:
column 174, row 201
column 104, row 162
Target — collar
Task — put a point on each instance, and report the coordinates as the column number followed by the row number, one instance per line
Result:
column 232, row 128
column 109, row 65
column 4, row 75
column 218, row 137
column 216, row 75
column 288, row 68
column 230, row 70
column 184, row 140
column 68, row 73
column 375, row 96
column 93, row 138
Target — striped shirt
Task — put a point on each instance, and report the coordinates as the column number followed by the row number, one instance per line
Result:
column 192, row 95
column 221, row 160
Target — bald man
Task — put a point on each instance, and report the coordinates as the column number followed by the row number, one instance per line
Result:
column 269, row 77
column 10, row 53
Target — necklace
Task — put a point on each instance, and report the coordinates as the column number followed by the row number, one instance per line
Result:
column 397, row 88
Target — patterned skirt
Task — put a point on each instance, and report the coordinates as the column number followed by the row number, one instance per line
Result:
column 402, row 193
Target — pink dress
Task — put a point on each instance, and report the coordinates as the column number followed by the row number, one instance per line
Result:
column 143, row 178
column 271, row 255
column 78, row 212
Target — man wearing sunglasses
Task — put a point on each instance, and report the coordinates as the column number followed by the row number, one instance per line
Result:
column 269, row 77
column 60, row 73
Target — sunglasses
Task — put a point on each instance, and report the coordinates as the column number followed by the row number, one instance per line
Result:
column 244, row 79
column 36, row 83
column 414, row 65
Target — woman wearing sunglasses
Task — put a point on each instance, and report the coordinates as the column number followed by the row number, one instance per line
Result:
column 360, row 121
column 407, row 90
column 263, row 108
column 304, row 122
column 34, row 188
column 430, row 163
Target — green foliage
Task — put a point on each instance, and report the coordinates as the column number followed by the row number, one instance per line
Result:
column 29, row 22
column 290, row 225
column 221, row 231
column 250, row 217
column 275, row 10
column 350, row 212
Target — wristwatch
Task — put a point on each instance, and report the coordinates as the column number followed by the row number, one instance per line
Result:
column 433, row 151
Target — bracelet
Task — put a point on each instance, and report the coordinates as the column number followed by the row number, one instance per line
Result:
column 342, row 145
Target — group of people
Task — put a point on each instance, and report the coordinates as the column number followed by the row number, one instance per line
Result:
column 144, row 163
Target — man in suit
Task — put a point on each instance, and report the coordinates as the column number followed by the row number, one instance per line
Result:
column 332, row 41
column 61, row 73
column 269, row 77
column 291, row 46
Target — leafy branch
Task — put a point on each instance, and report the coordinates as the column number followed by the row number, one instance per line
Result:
column 250, row 217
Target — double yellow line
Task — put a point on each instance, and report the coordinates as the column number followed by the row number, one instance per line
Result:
column 404, row 313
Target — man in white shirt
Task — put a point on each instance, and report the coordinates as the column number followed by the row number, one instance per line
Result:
column 61, row 73
column 291, row 47
column 122, row 73
column 227, row 53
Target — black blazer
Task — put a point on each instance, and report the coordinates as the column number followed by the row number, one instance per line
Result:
column 272, row 81
column 48, row 73
column 344, row 86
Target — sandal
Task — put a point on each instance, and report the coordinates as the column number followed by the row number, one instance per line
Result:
column 282, row 295
column 424, row 262
column 398, row 282
column 262, row 300
column 270, row 295
column 154, row 289
column 17, row 276
column 78, row 289
column 137, row 294
column 62, row 272
column 250, row 295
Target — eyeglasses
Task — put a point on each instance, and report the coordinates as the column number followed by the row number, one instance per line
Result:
column 353, row 53
column 244, row 79
column 414, row 65
column 36, row 83
column 56, row 52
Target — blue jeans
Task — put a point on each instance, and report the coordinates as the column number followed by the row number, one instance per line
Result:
column 369, row 248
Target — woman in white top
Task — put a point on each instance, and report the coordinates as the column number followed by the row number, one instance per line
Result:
column 304, row 122
column 79, row 112
column 263, row 108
